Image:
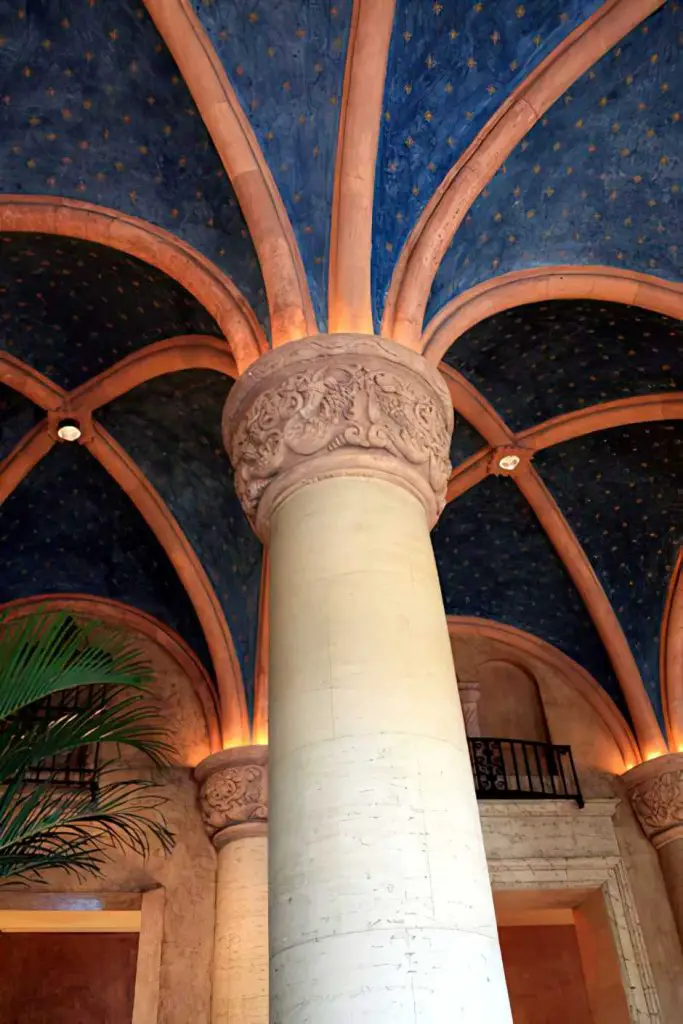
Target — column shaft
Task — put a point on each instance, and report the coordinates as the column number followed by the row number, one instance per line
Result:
column 240, row 971
column 381, row 909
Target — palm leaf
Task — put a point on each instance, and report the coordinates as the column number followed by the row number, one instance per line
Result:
column 42, row 654
column 115, row 718
column 47, row 827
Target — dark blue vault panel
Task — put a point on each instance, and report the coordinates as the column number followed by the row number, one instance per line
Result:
column 17, row 417
column 285, row 59
column 94, row 109
column 596, row 181
column 451, row 65
column 622, row 493
column 541, row 360
column 495, row 562
column 69, row 528
column 71, row 309
column 171, row 426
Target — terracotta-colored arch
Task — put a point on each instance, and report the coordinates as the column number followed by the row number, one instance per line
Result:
column 671, row 656
column 543, row 284
column 290, row 306
column 350, row 302
column 24, row 457
column 582, row 574
column 471, row 404
column 31, row 383
column 192, row 575
column 604, row 416
column 124, row 616
column 432, row 235
column 185, row 352
column 210, row 286
column 528, row 645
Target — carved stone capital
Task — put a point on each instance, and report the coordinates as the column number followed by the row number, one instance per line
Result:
column 655, row 789
column 233, row 793
column 338, row 405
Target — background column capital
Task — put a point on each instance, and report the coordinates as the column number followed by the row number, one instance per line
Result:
column 655, row 789
column 233, row 793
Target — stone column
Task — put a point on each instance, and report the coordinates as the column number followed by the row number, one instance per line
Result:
column 380, row 904
column 234, row 804
column 655, row 789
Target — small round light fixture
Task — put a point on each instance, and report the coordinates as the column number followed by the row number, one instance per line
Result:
column 69, row 430
column 509, row 463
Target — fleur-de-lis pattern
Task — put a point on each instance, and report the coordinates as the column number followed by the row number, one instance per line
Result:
column 286, row 62
column 451, row 65
column 596, row 181
column 92, row 107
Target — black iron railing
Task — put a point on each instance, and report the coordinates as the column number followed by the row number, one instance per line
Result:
column 72, row 768
column 523, row 770
column 76, row 767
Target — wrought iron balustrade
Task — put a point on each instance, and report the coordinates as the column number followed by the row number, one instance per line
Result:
column 523, row 770
column 75, row 767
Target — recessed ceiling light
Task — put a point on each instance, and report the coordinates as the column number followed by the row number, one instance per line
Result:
column 69, row 430
column 509, row 462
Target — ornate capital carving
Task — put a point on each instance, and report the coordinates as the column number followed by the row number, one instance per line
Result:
column 233, row 793
column 338, row 405
column 655, row 789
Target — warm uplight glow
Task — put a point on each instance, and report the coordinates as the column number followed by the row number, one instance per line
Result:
column 653, row 755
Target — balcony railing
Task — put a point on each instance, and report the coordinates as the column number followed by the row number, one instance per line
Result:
column 523, row 770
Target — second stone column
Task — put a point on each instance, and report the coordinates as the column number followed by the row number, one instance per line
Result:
column 380, row 904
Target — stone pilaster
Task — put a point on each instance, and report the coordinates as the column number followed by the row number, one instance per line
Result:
column 233, row 799
column 655, row 789
column 335, row 406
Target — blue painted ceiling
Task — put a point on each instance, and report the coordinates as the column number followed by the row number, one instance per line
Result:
column 172, row 428
column 69, row 528
column 539, row 361
column 495, row 562
column 17, row 417
column 621, row 490
column 285, row 60
column 92, row 107
column 71, row 309
column 597, row 181
column 452, row 64
column 622, row 493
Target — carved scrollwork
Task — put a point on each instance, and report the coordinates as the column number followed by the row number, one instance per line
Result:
column 656, row 792
column 233, row 792
column 334, row 406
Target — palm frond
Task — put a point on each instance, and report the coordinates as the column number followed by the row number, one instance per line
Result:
column 45, row 824
column 114, row 718
column 46, row 827
column 42, row 654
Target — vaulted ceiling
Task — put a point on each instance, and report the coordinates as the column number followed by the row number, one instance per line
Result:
column 496, row 185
